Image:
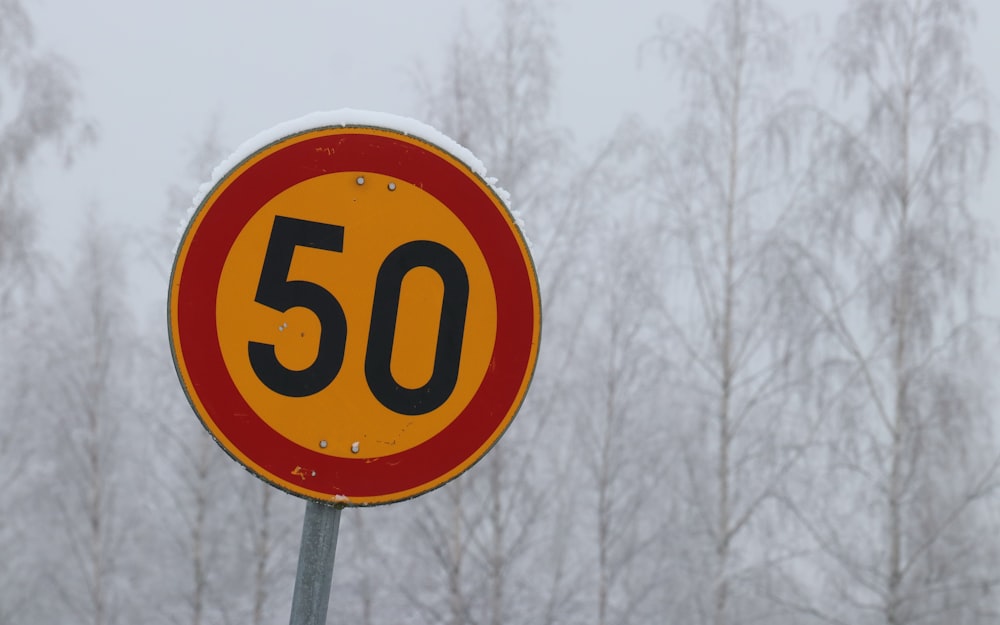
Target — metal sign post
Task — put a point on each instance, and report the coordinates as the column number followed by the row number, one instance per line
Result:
column 315, row 572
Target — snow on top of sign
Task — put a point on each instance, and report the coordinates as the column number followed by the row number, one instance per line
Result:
column 346, row 117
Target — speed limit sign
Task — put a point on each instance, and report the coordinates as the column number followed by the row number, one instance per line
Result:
column 354, row 314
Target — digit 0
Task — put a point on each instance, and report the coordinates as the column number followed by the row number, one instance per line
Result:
column 451, row 327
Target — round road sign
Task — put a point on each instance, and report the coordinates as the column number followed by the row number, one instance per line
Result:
column 354, row 314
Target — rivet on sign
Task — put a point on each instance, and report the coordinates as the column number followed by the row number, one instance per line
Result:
column 361, row 179
column 314, row 474
column 322, row 444
column 355, row 446
column 392, row 186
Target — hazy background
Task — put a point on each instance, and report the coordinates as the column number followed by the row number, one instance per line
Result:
column 767, row 386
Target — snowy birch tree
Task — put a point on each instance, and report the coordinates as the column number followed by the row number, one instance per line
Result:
column 273, row 522
column 89, row 411
column 38, row 104
column 617, row 443
column 722, row 187
column 896, row 252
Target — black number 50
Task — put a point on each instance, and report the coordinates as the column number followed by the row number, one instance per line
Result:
column 276, row 291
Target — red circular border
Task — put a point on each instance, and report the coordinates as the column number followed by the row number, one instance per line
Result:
column 197, row 340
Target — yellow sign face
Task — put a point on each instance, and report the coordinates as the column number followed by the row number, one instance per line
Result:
column 345, row 418
column 354, row 315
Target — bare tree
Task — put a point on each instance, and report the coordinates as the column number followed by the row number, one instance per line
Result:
column 23, row 457
column 722, row 189
column 895, row 257
column 272, row 521
column 374, row 572
column 89, row 406
column 617, row 444
column 200, row 553
column 38, row 111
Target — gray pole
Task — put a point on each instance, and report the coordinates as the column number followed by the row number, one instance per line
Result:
column 315, row 572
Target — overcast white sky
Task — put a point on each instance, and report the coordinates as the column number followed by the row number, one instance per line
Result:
column 153, row 75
